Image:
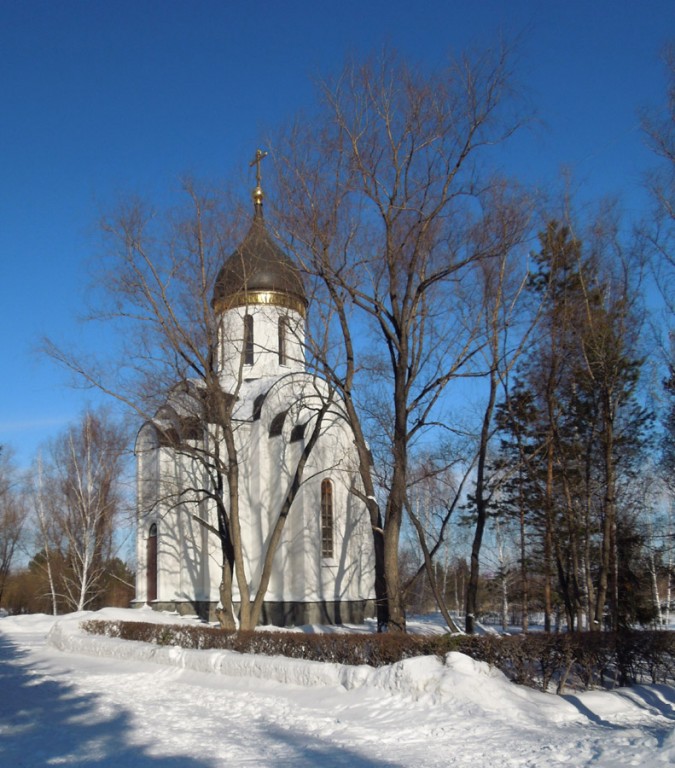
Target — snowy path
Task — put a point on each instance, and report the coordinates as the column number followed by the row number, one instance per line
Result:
column 60, row 708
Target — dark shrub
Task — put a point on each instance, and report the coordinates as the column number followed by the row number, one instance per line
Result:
column 580, row 659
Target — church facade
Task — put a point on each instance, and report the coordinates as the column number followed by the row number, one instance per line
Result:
column 323, row 566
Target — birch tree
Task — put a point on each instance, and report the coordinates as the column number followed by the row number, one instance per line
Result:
column 46, row 537
column 78, row 501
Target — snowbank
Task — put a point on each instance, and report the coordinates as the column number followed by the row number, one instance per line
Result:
column 455, row 678
column 413, row 677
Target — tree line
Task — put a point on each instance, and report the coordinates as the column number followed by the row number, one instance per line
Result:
column 62, row 521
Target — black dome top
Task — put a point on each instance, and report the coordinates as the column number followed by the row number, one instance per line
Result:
column 259, row 272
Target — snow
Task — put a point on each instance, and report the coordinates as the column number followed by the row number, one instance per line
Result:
column 69, row 698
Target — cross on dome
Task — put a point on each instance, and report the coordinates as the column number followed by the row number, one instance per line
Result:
column 259, row 272
column 257, row 192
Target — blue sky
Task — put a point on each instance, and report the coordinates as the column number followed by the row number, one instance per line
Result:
column 105, row 98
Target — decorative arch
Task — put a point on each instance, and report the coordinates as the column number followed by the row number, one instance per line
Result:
column 327, row 525
column 151, row 564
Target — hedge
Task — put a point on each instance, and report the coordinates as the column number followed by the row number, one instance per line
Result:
column 580, row 660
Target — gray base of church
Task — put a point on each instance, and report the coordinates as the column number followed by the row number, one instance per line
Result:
column 279, row 614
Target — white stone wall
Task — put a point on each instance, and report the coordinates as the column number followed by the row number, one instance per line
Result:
column 189, row 556
column 265, row 343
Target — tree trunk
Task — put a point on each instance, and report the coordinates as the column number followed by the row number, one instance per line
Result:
column 481, row 503
column 397, row 496
column 523, row 564
column 656, row 598
column 234, row 528
column 609, row 517
column 381, row 596
column 588, row 575
column 392, row 534
column 548, row 527
column 430, row 572
column 225, row 613
column 505, row 603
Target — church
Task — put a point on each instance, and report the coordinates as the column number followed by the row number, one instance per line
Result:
column 323, row 565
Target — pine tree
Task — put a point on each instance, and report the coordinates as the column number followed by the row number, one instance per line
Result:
column 571, row 427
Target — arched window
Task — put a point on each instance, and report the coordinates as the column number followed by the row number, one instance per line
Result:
column 151, row 564
column 277, row 424
column 283, row 340
column 257, row 406
column 248, row 339
column 327, row 519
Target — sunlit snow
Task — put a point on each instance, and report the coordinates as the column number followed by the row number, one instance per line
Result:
column 72, row 699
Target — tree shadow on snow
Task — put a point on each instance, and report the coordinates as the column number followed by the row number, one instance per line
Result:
column 659, row 698
column 592, row 716
column 654, row 699
column 310, row 750
column 44, row 722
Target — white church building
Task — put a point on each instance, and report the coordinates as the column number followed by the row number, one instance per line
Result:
column 323, row 567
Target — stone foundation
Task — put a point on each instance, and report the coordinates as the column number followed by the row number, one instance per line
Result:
column 279, row 614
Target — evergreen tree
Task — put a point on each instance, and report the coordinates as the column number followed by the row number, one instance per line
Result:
column 572, row 427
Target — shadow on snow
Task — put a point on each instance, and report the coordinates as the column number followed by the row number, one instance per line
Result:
column 44, row 721
column 308, row 750
column 658, row 700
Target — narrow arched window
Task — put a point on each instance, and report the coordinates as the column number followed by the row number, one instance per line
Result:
column 277, row 424
column 151, row 564
column 248, row 339
column 283, row 340
column 327, row 519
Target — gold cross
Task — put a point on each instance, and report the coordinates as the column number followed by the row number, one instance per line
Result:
column 259, row 156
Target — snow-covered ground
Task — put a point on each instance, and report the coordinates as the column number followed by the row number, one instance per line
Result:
column 67, row 698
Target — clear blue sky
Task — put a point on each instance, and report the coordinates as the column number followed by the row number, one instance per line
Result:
column 101, row 98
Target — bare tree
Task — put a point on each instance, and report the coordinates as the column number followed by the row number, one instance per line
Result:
column 435, row 492
column 659, row 232
column 47, row 540
column 78, row 500
column 382, row 197
column 501, row 284
column 158, row 299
